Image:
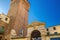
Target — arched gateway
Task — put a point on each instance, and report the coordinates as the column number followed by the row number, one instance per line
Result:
column 36, row 35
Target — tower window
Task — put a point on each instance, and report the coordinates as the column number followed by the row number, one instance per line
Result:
column 11, row 0
column 6, row 19
column 47, row 29
column 55, row 33
column 54, row 28
column 48, row 33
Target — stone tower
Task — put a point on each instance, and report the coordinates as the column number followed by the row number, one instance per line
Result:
column 18, row 14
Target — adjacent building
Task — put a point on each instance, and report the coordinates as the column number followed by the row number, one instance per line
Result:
column 53, row 33
column 4, row 22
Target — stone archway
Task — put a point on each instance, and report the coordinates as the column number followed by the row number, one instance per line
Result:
column 36, row 35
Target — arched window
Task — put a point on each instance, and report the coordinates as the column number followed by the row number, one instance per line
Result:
column 54, row 28
column 6, row 19
column 47, row 29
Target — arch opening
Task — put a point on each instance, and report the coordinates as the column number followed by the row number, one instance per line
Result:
column 36, row 35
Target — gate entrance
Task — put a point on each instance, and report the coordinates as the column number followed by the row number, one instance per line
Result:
column 36, row 35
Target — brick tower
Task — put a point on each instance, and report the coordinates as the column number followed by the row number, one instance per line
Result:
column 18, row 14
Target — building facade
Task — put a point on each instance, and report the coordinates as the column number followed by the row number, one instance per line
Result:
column 14, row 26
column 37, row 31
column 53, row 33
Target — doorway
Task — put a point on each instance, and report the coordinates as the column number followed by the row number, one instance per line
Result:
column 36, row 35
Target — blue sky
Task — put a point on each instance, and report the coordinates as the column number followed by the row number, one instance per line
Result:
column 47, row 11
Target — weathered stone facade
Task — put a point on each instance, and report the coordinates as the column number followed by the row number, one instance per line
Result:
column 18, row 14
